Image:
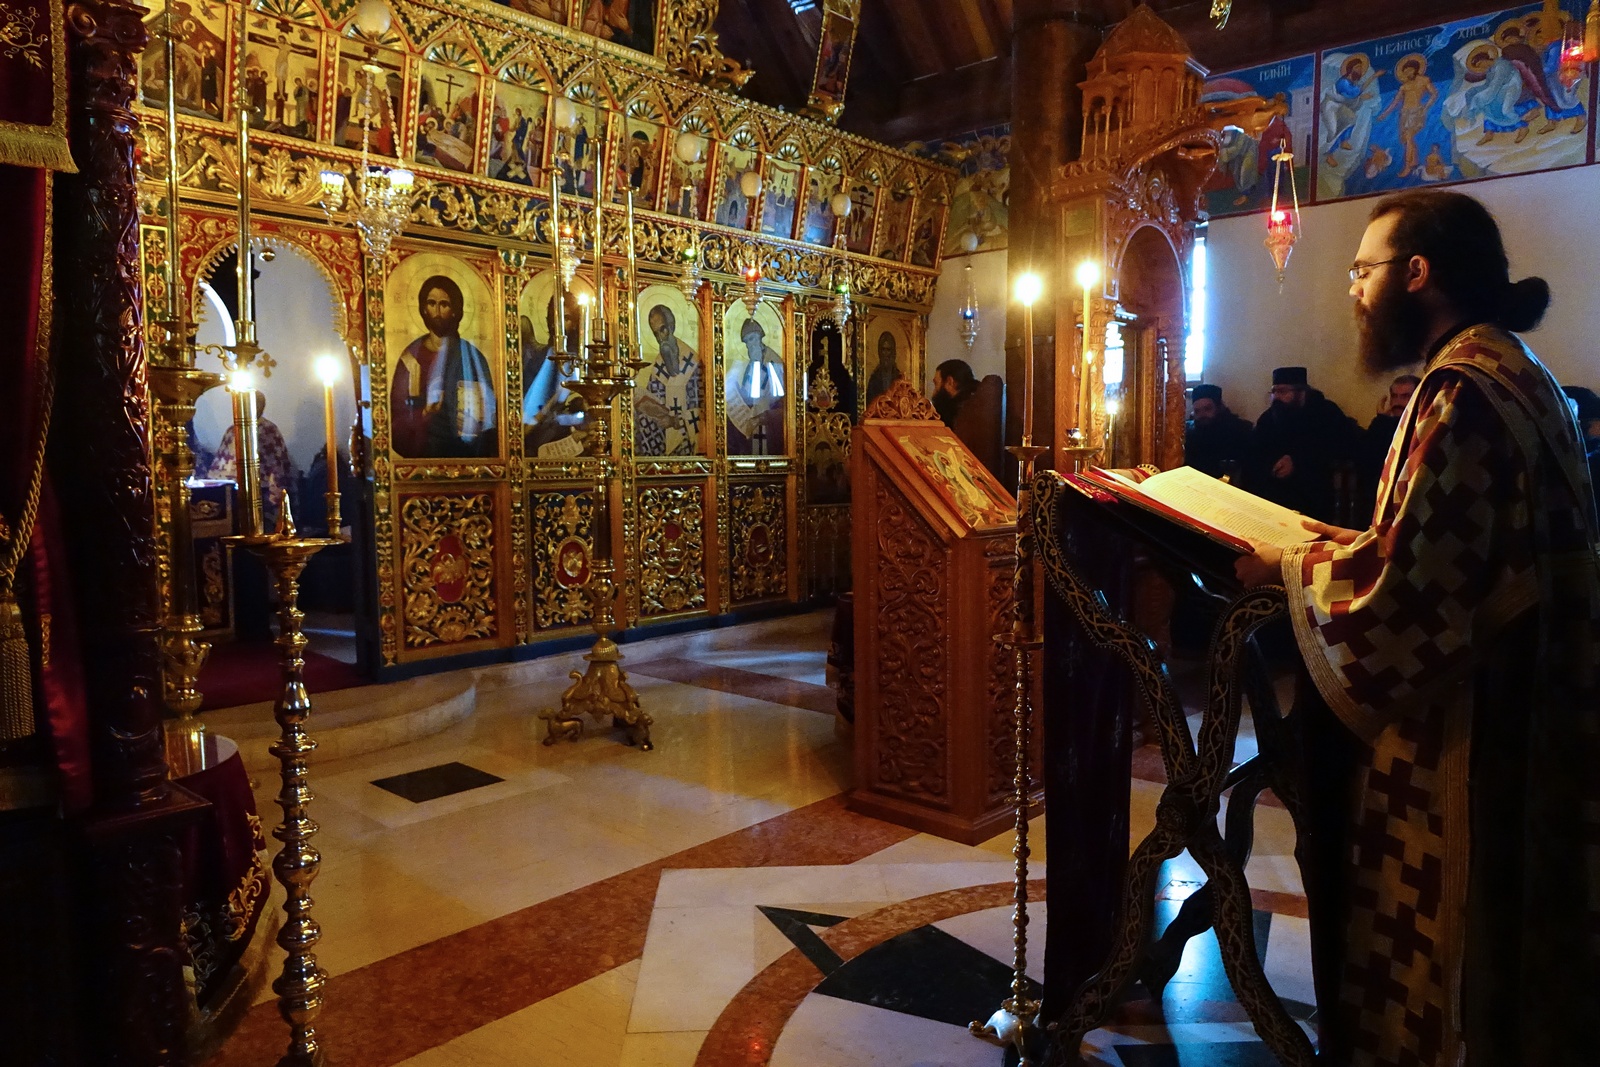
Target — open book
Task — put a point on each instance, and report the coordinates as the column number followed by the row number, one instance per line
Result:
column 1224, row 513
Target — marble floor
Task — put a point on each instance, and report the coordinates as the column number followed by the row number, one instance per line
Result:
column 487, row 900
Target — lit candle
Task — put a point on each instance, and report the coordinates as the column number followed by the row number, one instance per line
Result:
column 585, row 322
column 328, row 371
column 1088, row 278
column 1029, row 287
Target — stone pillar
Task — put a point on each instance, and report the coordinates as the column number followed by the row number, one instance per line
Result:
column 1052, row 43
column 100, row 460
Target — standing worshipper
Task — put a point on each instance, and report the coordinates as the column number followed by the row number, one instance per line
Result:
column 1376, row 439
column 1216, row 441
column 1297, row 443
column 1457, row 642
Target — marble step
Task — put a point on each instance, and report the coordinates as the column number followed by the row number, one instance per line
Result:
column 352, row 722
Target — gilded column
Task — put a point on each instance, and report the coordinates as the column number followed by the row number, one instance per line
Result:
column 100, row 456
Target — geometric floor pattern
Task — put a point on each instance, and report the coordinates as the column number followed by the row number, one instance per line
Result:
column 490, row 901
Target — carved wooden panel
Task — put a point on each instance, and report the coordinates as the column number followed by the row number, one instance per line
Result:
column 671, row 558
column 447, row 552
column 561, row 539
column 912, row 603
column 759, row 542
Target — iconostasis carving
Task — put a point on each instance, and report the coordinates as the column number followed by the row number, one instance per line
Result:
column 482, row 480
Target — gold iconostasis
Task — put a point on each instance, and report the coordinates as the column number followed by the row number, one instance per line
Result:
column 733, row 446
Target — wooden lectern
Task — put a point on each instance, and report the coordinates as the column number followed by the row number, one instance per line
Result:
column 934, row 560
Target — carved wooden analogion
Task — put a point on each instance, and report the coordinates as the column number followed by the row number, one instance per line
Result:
column 934, row 557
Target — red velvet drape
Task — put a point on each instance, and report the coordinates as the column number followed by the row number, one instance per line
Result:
column 26, row 305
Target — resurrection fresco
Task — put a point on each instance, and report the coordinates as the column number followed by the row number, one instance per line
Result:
column 1476, row 98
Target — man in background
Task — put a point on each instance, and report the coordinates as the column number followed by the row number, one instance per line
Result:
column 1296, row 445
column 1375, row 441
column 972, row 409
column 1216, row 441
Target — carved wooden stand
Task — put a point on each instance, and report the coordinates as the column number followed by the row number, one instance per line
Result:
column 1186, row 816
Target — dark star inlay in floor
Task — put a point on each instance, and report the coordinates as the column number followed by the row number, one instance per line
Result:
column 431, row 783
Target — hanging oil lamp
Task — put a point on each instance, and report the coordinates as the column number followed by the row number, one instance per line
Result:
column 1283, row 225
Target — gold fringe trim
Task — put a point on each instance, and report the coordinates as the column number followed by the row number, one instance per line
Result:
column 24, row 146
column 16, row 673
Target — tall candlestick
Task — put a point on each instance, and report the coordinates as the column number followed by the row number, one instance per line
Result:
column 246, row 324
column 1027, row 374
column 558, row 328
column 174, row 302
column 1029, row 287
column 633, row 283
column 328, row 371
column 597, row 142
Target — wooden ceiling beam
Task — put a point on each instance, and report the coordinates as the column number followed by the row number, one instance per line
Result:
column 935, row 107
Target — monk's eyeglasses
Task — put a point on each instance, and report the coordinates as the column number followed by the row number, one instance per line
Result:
column 1359, row 271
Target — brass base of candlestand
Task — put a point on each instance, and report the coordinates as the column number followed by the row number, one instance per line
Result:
column 299, row 987
column 602, row 689
column 1016, row 1022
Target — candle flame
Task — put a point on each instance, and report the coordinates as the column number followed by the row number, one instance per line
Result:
column 327, row 370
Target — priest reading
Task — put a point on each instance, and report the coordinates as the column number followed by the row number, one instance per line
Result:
column 1456, row 639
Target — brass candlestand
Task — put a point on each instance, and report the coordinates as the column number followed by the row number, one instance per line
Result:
column 299, row 987
column 602, row 690
column 1015, row 1022
column 176, row 385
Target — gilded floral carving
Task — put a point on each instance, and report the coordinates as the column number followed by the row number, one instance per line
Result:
column 447, row 568
column 671, row 557
column 758, row 546
column 561, row 524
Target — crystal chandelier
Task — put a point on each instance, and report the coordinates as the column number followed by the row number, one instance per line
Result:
column 968, row 311
column 382, row 200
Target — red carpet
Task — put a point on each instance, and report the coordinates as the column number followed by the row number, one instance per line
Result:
column 249, row 672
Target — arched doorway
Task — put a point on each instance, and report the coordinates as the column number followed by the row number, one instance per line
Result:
column 1143, row 340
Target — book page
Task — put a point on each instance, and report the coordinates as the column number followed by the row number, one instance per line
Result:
column 1227, row 507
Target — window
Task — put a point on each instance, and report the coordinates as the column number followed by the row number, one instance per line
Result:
column 1194, row 352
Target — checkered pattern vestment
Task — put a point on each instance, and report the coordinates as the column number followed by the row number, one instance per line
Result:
column 1484, row 529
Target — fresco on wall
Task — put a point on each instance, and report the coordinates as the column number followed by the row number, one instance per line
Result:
column 780, row 199
column 980, row 204
column 447, row 117
column 356, row 98
column 199, row 50
column 669, row 394
column 281, row 77
column 1243, row 179
column 516, row 135
column 757, row 381
column 1475, row 98
column 442, row 331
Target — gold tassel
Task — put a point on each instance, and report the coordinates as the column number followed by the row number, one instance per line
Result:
column 16, row 673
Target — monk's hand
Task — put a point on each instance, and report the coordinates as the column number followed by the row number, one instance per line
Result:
column 1337, row 534
column 1284, row 468
column 1263, row 567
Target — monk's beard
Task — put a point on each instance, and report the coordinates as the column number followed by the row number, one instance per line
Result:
column 1392, row 330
